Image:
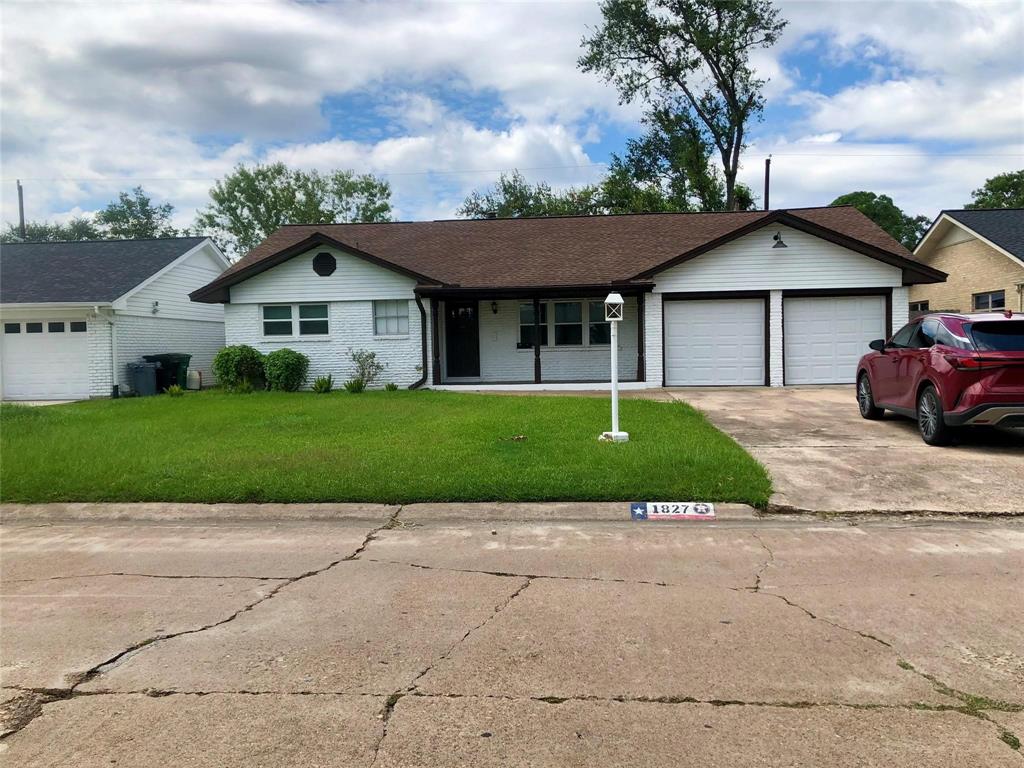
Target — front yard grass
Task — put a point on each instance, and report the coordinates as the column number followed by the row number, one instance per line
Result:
column 393, row 447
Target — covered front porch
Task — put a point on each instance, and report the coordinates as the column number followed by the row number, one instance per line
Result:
column 554, row 338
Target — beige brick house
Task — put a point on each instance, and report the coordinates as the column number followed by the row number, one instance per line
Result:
column 982, row 251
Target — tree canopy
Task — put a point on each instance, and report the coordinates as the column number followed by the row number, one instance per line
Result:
column 251, row 202
column 689, row 60
column 79, row 228
column 133, row 215
column 1003, row 191
column 512, row 196
column 886, row 214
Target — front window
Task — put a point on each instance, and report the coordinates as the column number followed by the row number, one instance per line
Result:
column 526, row 326
column 279, row 320
column 391, row 318
column 989, row 300
column 600, row 331
column 919, row 306
column 568, row 324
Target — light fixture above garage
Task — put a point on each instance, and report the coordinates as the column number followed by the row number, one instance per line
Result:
column 777, row 237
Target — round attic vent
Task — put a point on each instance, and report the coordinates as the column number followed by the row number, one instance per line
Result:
column 324, row 264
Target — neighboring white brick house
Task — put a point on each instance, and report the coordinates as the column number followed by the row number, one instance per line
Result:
column 75, row 314
column 758, row 298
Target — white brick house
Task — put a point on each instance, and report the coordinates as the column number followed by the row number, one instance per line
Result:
column 75, row 314
column 744, row 298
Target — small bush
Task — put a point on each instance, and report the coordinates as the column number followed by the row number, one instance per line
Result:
column 368, row 367
column 355, row 386
column 323, row 384
column 243, row 388
column 237, row 365
column 391, row 386
column 285, row 369
column 175, row 390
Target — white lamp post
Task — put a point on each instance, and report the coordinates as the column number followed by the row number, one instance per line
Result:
column 613, row 316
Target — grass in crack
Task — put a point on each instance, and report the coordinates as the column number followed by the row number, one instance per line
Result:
column 1012, row 741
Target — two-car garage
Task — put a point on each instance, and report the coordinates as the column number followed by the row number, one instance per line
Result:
column 727, row 340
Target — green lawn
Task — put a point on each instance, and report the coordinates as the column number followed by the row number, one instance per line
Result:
column 379, row 446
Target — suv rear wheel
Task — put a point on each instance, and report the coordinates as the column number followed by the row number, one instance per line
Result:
column 930, row 421
column 866, row 399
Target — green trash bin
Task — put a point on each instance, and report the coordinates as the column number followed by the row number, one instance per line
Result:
column 173, row 369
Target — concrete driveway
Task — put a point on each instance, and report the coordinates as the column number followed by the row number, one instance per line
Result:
column 490, row 635
column 824, row 457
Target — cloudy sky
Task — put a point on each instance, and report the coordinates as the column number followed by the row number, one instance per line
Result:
column 918, row 100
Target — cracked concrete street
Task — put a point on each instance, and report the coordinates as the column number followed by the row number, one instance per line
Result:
column 508, row 635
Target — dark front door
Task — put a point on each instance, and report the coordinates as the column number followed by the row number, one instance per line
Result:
column 462, row 339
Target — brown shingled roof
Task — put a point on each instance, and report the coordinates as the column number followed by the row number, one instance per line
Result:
column 555, row 251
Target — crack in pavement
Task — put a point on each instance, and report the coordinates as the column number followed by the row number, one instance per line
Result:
column 97, row 670
column 531, row 576
column 412, row 688
column 767, row 563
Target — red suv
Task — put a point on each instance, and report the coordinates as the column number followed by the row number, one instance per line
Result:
column 947, row 371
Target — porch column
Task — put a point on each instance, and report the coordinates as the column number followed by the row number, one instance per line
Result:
column 536, row 340
column 641, row 365
column 435, row 374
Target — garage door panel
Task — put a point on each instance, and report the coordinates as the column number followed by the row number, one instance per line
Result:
column 51, row 365
column 714, row 342
column 824, row 337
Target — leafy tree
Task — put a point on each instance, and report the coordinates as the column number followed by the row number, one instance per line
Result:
column 668, row 169
column 79, row 228
column 886, row 214
column 513, row 196
column 251, row 202
column 133, row 215
column 1003, row 191
column 689, row 59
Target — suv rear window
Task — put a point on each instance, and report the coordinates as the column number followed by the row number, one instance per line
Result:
column 998, row 336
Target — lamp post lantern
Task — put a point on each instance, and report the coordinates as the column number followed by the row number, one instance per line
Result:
column 613, row 305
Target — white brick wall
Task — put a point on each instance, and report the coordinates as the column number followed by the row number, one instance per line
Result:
column 900, row 307
column 100, row 380
column 653, row 308
column 776, row 341
column 351, row 329
column 138, row 336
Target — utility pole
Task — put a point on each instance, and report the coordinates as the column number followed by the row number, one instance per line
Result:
column 767, row 179
column 21, row 212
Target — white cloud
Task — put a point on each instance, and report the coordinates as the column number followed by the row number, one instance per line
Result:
column 100, row 96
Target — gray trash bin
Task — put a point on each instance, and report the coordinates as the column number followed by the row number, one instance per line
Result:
column 143, row 378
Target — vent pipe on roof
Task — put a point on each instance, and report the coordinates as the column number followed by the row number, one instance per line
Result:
column 767, row 179
column 21, row 212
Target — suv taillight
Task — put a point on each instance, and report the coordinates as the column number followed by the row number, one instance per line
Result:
column 973, row 363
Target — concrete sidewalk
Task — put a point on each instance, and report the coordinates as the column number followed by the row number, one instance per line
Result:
column 509, row 635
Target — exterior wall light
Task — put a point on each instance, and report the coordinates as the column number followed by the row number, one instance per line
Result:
column 494, row 307
column 777, row 237
column 613, row 306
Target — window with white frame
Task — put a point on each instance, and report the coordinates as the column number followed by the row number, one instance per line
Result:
column 573, row 324
column 568, row 324
column 600, row 329
column 295, row 320
column 391, row 318
column 526, row 326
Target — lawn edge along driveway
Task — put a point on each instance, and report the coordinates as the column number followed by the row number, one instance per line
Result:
column 384, row 447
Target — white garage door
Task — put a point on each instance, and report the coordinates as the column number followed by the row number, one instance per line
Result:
column 714, row 342
column 825, row 337
column 45, row 360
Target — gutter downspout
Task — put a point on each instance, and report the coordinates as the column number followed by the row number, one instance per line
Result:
column 114, row 388
column 423, row 334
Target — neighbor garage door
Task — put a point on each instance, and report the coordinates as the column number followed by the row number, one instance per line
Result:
column 826, row 336
column 714, row 342
column 45, row 360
